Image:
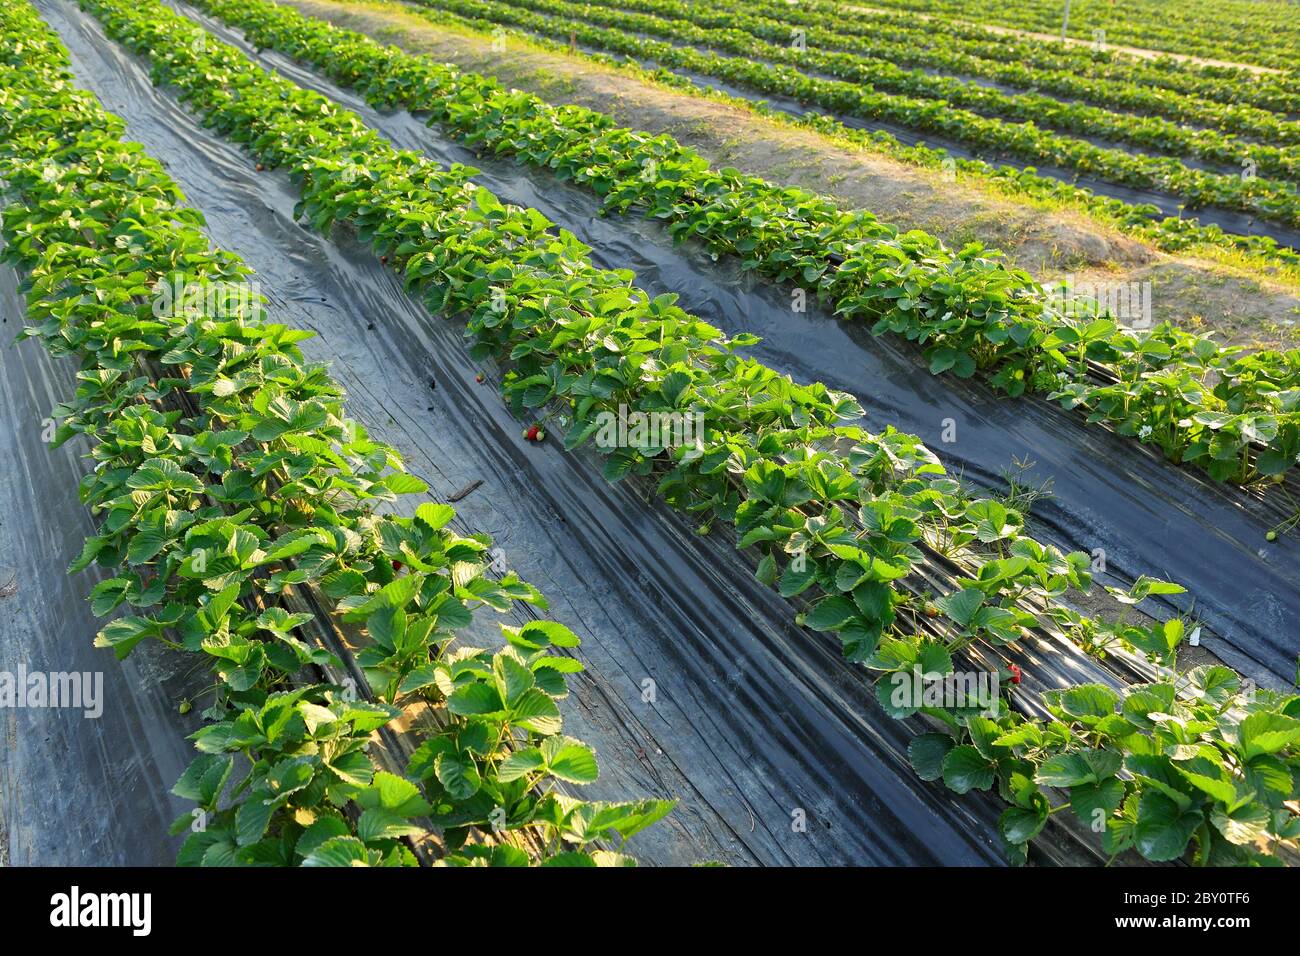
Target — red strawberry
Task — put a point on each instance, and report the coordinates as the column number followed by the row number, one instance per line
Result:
column 384, row 259
column 1015, row 673
column 531, row 434
column 479, row 378
column 397, row 565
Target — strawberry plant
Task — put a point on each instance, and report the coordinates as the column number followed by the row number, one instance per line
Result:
column 773, row 69
column 830, row 52
column 231, row 492
column 1240, row 102
column 1145, row 221
column 844, row 522
column 967, row 311
column 1225, row 29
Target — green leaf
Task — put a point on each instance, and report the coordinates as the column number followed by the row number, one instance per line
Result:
column 252, row 818
column 1215, row 684
column 961, row 605
column 512, row 678
column 458, row 776
column 831, row 614
column 1096, row 801
column 1089, row 700
column 435, row 515
column 289, row 776
column 966, row 769
column 475, row 700
column 1266, row 733
column 520, row 764
column 1078, row 767
column 927, row 752
column 323, row 829
column 394, row 794
column 570, row 760
column 204, row 779
column 124, row 634
column 629, row 819
column 338, row 851
column 1244, row 826
column 537, row 712
column 796, row 582
column 1020, row 824
column 1163, row 828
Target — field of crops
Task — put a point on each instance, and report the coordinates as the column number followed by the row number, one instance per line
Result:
column 1186, row 155
column 467, row 475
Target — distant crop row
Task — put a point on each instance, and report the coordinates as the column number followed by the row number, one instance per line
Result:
column 1097, row 62
column 1141, row 220
column 844, row 520
column 765, row 68
column 1235, row 416
column 878, row 61
column 1242, row 31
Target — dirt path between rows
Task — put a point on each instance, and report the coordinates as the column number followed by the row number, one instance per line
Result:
column 1137, row 51
column 1192, row 293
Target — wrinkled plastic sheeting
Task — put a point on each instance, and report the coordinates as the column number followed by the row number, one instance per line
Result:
column 88, row 784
